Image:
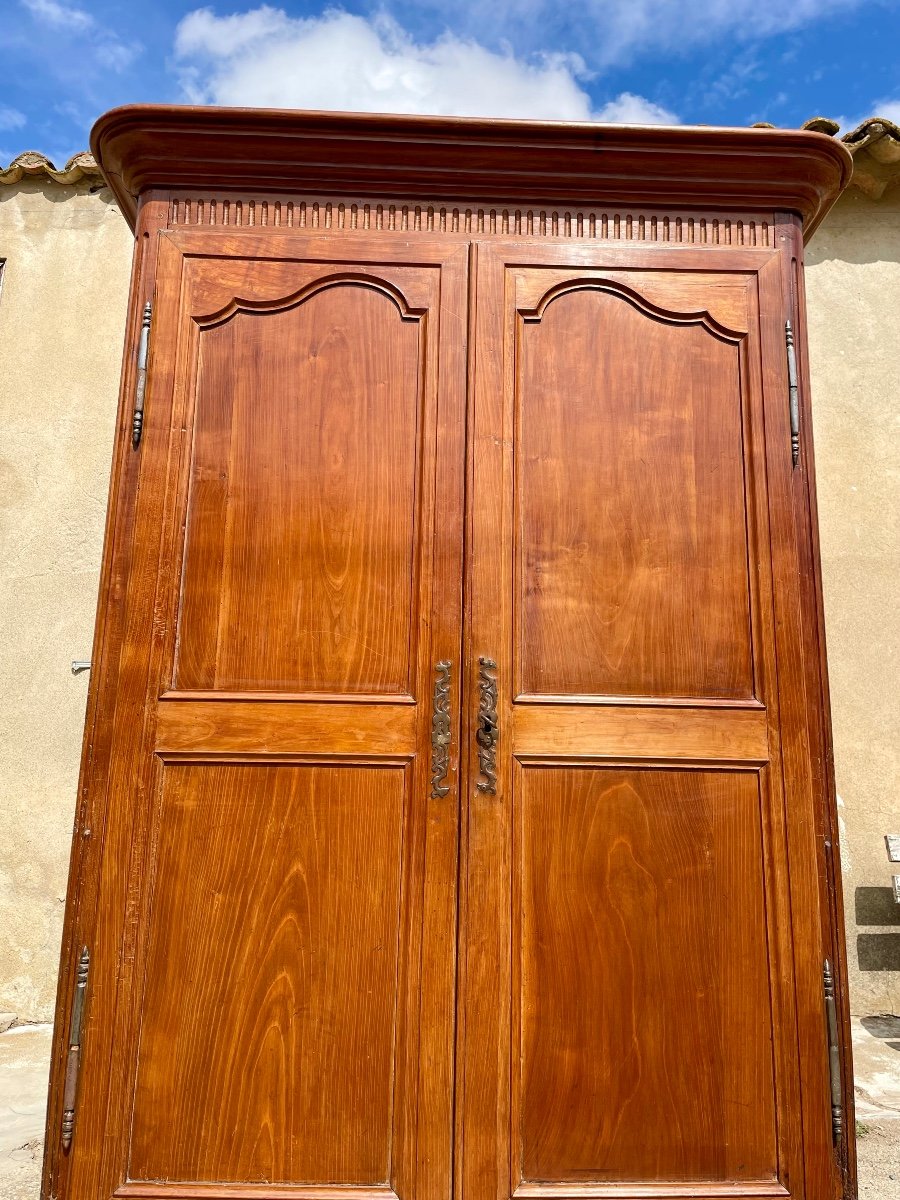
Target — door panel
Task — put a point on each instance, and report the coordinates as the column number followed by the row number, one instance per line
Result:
column 278, row 1024
column 631, row 503
column 630, row 1025
column 640, row 936
column 298, row 893
column 306, row 448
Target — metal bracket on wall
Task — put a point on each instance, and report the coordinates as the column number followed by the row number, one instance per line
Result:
column 793, row 391
column 137, row 421
column 892, row 841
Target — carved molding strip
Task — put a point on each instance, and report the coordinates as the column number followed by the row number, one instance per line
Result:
column 331, row 215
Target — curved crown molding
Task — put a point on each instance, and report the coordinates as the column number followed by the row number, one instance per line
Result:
column 140, row 147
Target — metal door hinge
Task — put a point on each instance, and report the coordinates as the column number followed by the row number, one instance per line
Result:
column 137, row 422
column 834, row 1053
column 793, row 391
column 73, row 1059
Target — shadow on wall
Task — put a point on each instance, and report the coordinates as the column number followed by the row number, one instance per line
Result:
column 877, row 951
column 55, row 193
column 858, row 230
column 885, row 1028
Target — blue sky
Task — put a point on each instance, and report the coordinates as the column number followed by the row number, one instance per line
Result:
column 721, row 62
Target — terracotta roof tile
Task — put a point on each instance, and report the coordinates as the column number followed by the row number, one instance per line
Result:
column 31, row 164
column 875, row 146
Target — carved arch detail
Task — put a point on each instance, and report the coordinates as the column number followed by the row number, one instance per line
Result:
column 641, row 303
column 240, row 304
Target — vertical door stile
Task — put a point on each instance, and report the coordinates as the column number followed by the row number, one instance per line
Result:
column 790, row 235
column 798, row 729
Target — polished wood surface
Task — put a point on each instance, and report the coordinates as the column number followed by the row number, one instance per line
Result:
column 573, row 882
column 630, row 497
column 816, row 671
column 510, row 398
column 142, row 147
column 305, row 449
column 286, row 933
column 587, row 729
column 301, row 512
column 639, row 936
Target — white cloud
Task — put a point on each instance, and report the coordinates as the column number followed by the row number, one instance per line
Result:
column 879, row 108
column 613, row 32
column 341, row 61
column 628, row 109
column 885, row 108
column 116, row 55
column 11, row 118
column 107, row 48
column 59, row 16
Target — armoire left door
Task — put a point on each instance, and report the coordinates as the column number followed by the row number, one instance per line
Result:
column 271, row 998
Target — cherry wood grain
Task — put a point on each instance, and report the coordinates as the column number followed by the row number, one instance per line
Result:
column 314, row 976
column 286, row 931
column 505, row 162
column 610, row 730
column 805, row 514
column 631, row 504
column 305, row 447
column 554, row 1004
column 640, row 937
column 235, row 725
column 277, row 862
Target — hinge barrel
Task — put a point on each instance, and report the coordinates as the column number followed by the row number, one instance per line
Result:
column 137, row 423
column 73, row 1059
column 834, row 1053
column 793, row 391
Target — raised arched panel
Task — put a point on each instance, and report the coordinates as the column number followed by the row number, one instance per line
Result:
column 721, row 299
column 300, row 547
column 632, row 533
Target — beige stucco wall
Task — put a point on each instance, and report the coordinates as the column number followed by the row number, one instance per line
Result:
column 853, row 293
column 62, row 309
column 63, row 294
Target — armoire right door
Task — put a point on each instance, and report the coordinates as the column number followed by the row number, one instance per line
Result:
column 641, row 964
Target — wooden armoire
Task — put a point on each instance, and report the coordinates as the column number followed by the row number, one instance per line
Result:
column 456, row 814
